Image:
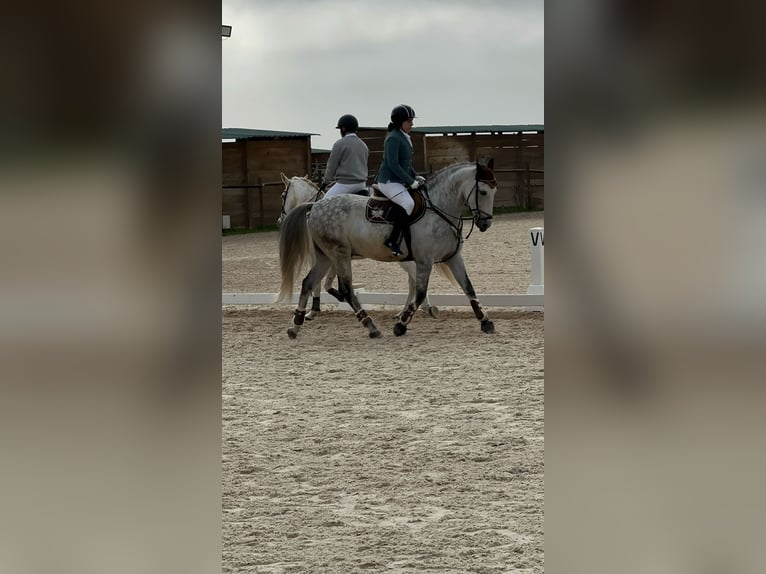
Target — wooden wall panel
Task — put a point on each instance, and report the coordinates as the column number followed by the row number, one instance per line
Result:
column 444, row 151
column 375, row 140
column 254, row 206
column 268, row 157
column 235, row 205
column 233, row 155
column 260, row 162
column 266, row 204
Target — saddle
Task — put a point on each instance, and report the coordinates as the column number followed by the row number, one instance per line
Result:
column 379, row 207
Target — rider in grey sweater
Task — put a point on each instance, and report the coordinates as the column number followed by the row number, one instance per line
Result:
column 347, row 164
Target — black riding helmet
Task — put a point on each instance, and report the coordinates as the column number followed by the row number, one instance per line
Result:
column 402, row 113
column 348, row 122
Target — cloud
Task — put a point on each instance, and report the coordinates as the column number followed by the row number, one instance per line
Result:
column 299, row 65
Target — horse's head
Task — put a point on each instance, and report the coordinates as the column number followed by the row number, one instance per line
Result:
column 282, row 211
column 482, row 197
column 297, row 190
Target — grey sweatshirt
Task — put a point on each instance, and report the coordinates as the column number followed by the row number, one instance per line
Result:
column 348, row 160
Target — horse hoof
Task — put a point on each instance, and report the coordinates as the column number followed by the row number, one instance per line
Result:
column 292, row 333
column 374, row 334
column 433, row 312
column 309, row 317
column 487, row 326
column 400, row 329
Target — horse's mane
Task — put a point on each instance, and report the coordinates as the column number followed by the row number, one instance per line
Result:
column 452, row 166
column 307, row 179
column 444, row 172
column 308, row 189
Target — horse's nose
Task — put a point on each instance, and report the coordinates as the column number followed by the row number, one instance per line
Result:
column 484, row 224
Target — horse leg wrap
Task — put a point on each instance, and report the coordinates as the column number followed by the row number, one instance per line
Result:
column 363, row 317
column 407, row 315
column 298, row 317
column 478, row 311
column 315, row 304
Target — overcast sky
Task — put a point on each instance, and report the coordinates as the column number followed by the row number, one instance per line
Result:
column 298, row 65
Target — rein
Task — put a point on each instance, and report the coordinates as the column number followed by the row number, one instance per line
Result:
column 317, row 196
column 458, row 227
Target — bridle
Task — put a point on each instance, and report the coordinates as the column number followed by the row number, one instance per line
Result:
column 317, row 196
column 477, row 214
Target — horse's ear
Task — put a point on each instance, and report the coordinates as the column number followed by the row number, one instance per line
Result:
column 285, row 180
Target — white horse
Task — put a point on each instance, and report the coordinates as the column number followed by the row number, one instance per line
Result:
column 330, row 231
column 302, row 190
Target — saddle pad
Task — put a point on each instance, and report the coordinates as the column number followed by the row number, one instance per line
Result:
column 379, row 207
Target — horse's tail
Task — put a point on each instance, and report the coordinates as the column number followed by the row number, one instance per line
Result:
column 296, row 249
column 446, row 272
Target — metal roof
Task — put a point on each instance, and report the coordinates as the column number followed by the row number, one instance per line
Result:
column 512, row 128
column 245, row 133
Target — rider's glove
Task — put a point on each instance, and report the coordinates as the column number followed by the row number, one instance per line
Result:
column 415, row 184
column 421, row 179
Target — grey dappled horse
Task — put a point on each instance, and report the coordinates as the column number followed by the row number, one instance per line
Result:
column 336, row 229
column 301, row 190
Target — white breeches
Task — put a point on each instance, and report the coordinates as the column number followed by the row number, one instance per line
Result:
column 340, row 188
column 399, row 194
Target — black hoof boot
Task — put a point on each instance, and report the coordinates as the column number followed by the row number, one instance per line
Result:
column 394, row 247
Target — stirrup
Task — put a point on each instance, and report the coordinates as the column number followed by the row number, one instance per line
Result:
column 395, row 250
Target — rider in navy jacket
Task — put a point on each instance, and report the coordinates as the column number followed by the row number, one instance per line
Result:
column 396, row 172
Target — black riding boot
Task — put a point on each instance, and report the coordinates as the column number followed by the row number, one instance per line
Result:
column 400, row 223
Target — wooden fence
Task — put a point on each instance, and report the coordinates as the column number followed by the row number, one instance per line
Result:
column 254, row 205
column 252, row 189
